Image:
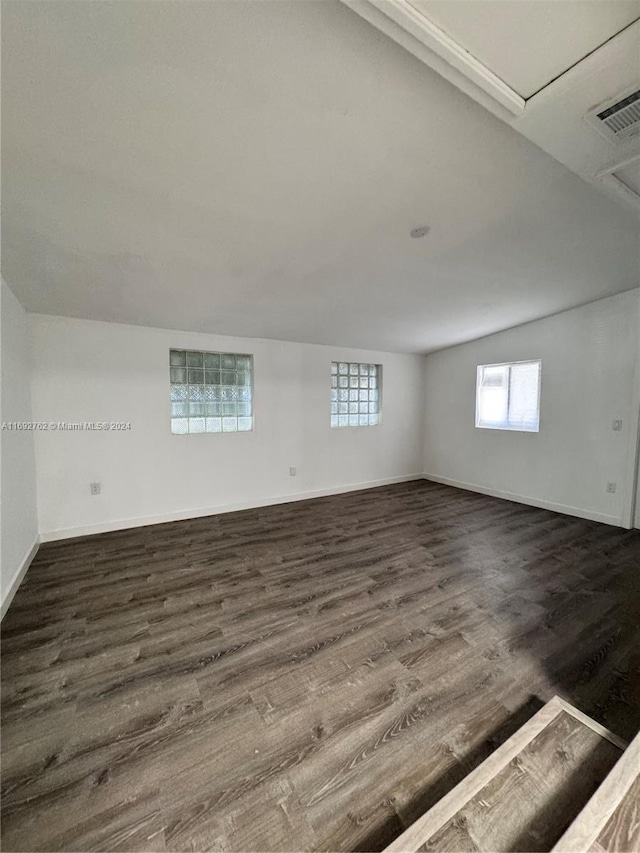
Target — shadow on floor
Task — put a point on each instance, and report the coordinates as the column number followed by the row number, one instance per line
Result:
column 573, row 606
column 389, row 829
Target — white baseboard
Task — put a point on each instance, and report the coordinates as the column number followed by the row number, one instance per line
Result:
column 579, row 512
column 18, row 577
column 125, row 524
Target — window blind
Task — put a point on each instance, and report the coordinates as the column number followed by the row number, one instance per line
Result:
column 508, row 396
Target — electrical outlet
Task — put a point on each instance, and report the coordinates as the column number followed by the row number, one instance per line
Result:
column 95, row 488
column 611, row 487
column 293, row 471
column 616, row 425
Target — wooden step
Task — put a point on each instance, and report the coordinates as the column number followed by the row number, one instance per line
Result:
column 611, row 819
column 527, row 793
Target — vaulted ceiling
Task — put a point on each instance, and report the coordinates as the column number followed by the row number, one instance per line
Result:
column 551, row 69
column 255, row 168
column 529, row 43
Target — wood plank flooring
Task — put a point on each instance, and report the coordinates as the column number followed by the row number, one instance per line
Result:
column 610, row 821
column 622, row 832
column 531, row 801
column 311, row 676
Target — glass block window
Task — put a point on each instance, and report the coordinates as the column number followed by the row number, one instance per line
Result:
column 210, row 391
column 355, row 394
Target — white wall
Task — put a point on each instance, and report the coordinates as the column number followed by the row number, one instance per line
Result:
column 588, row 357
column 18, row 522
column 92, row 371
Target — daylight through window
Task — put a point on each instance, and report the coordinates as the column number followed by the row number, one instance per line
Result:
column 355, row 394
column 508, row 396
column 210, row 392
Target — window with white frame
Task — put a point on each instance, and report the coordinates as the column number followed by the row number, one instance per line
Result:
column 210, row 391
column 355, row 394
column 508, row 396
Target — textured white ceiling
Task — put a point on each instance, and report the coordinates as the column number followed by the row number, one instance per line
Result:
column 630, row 176
column 528, row 43
column 255, row 169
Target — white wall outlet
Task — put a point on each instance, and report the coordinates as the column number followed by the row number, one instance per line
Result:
column 293, row 471
column 95, row 488
column 611, row 487
column 616, row 425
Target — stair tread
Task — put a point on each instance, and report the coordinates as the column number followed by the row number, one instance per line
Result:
column 526, row 794
column 610, row 821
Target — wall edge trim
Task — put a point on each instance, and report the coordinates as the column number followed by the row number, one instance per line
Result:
column 18, row 577
column 182, row 515
column 564, row 509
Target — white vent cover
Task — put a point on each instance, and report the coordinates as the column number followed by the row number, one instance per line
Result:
column 619, row 119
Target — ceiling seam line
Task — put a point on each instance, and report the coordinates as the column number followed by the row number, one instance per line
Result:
column 577, row 62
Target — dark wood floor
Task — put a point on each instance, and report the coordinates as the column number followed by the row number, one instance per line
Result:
column 308, row 676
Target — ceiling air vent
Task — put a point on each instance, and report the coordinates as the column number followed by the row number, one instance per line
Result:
column 617, row 120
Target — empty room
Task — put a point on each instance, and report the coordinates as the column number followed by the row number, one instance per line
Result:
column 320, row 425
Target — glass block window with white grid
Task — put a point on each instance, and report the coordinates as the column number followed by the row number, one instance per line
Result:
column 210, row 392
column 508, row 396
column 355, row 394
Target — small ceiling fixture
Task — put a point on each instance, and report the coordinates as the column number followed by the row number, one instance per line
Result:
column 419, row 232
